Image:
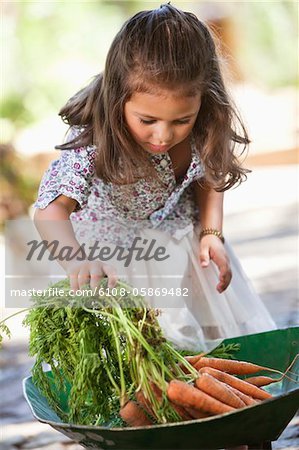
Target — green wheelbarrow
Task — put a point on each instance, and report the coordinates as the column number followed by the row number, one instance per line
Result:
column 256, row 426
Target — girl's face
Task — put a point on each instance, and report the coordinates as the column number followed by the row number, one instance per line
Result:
column 158, row 122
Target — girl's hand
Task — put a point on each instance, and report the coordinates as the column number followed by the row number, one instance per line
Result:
column 81, row 273
column 211, row 248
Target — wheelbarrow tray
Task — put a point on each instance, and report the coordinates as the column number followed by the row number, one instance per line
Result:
column 252, row 425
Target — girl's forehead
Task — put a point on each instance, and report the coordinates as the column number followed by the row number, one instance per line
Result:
column 178, row 93
column 178, row 96
column 163, row 103
column 144, row 82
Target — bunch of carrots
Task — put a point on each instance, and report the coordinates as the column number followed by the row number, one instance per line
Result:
column 215, row 390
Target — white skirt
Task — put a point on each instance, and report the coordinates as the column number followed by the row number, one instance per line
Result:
column 193, row 315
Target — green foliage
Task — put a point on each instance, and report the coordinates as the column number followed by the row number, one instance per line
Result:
column 268, row 42
column 101, row 350
column 4, row 330
column 51, row 50
column 13, row 107
column 225, row 351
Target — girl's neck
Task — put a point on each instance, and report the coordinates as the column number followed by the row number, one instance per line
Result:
column 180, row 156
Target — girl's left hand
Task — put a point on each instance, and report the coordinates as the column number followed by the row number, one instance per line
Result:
column 211, row 248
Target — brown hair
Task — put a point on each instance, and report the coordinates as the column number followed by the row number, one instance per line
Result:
column 163, row 48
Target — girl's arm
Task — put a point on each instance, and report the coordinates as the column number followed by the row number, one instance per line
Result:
column 210, row 205
column 53, row 224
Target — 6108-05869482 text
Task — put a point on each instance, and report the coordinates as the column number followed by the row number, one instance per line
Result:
column 106, row 292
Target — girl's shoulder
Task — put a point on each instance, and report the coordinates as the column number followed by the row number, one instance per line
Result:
column 78, row 159
column 73, row 137
column 72, row 174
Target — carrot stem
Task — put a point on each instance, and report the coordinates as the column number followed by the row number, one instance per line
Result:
column 14, row 314
column 181, row 359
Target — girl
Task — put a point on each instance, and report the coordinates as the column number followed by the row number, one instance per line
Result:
column 152, row 141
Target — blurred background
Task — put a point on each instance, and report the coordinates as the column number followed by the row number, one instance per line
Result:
column 51, row 49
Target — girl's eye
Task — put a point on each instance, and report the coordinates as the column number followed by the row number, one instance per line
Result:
column 147, row 122
column 182, row 122
column 177, row 122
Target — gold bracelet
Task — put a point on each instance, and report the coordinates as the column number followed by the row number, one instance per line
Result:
column 206, row 231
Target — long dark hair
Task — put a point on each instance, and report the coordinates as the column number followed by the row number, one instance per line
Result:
column 164, row 48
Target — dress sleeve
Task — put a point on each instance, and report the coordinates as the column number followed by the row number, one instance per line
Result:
column 71, row 175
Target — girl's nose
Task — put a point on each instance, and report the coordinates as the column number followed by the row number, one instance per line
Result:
column 163, row 134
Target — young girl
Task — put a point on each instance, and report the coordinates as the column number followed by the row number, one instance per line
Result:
column 152, row 142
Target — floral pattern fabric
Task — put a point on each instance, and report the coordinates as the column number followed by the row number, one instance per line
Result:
column 73, row 175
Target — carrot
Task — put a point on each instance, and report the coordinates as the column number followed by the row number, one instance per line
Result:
column 191, row 360
column 241, row 385
column 194, row 359
column 262, row 381
column 133, row 415
column 157, row 392
column 230, row 366
column 182, row 412
column 197, row 414
column 184, row 415
column 184, row 368
column 265, row 381
column 188, row 396
column 245, row 398
column 144, row 402
column 239, row 367
column 218, row 390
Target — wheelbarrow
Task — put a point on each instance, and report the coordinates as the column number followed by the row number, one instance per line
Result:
column 256, row 426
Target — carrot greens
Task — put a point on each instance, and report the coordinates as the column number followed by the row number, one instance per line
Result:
column 101, row 349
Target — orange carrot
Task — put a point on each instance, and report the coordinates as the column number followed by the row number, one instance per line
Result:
column 265, row 381
column 191, row 360
column 197, row 414
column 241, row 385
column 144, row 402
column 182, row 412
column 188, row 396
column 245, row 398
column 194, row 359
column 157, row 392
column 218, row 390
column 133, row 415
column 230, row 366
column 262, row 381
column 184, row 368
column 184, row 415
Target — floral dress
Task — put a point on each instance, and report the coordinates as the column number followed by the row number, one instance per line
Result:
column 73, row 175
column 168, row 216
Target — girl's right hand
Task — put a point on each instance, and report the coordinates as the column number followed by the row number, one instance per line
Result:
column 90, row 273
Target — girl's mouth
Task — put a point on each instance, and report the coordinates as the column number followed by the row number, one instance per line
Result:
column 159, row 148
